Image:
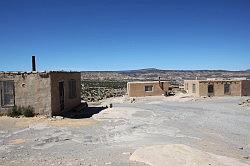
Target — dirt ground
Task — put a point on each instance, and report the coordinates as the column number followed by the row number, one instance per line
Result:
column 160, row 131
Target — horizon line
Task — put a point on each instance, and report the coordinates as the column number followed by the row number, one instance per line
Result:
column 127, row 70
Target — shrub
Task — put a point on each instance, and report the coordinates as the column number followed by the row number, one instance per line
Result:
column 14, row 112
column 28, row 111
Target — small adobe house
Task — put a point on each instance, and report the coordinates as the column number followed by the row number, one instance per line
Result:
column 49, row 93
column 147, row 88
column 200, row 88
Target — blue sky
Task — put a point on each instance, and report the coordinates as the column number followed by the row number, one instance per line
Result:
column 124, row 34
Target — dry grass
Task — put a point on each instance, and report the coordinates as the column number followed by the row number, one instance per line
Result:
column 26, row 122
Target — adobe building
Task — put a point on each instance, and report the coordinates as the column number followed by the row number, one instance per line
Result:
column 49, row 93
column 217, row 87
column 147, row 88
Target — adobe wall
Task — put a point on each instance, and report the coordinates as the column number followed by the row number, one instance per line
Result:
column 188, row 87
column 235, row 88
column 245, row 87
column 137, row 89
column 56, row 77
column 202, row 87
column 31, row 89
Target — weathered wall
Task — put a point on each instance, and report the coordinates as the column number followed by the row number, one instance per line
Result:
column 235, row 88
column 188, row 87
column 5, row 77
column 202, row 87
column 137, row 89
column 245, row 87
column 31, row 89
column 57, row 77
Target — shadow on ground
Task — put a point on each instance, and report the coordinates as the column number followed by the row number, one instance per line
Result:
column 86, row 112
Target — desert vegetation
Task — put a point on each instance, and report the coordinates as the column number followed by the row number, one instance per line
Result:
column 95, row 90
column 17, row 111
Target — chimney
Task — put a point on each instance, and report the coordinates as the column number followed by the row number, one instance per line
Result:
column 33, row 63
column 161, row 84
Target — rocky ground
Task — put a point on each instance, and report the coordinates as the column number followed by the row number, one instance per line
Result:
column 168, row 131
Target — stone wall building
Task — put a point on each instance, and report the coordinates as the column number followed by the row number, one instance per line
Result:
column 49, row 93
column 217, row 87
column 147, row 88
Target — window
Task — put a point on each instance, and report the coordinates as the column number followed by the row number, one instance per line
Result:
column 187, row 86
column 72, row 89
column 194, row 88
column 149, row 88
column 7, row 93
column 227, row 89
column 210, row 88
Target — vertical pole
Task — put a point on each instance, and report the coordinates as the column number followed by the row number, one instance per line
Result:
column 33, row 63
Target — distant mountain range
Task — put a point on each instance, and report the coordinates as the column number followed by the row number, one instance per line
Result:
column 154, row 70
column 154, row 74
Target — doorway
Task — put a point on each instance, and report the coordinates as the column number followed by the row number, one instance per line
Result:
column 210, row 90
column 227, row 89
column 61, row 95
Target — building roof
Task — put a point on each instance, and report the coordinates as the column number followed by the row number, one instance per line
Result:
column 233, row 80
column 36, row 72
column 143, row 82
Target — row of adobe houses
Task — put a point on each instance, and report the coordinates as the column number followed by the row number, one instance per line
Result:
column 51, row 93
column 197, row 88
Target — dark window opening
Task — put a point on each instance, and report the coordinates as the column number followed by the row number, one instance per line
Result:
column 210, row 88
column 7, row 93
column 194, row 88
column 72, row 89
column 227, row 89
column 61, row 93
column 148, row 88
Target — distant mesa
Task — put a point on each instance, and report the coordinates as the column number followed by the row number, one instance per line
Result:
column 142, row 70
column 155, row 70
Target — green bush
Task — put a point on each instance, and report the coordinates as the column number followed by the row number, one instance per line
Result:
column 2, row 114
column 28, row 111
column 14, row 112
column 17, row 111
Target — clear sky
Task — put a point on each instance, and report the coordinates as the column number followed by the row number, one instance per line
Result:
column 124, row 34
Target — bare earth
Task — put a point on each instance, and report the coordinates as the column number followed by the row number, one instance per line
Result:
column 159, row 131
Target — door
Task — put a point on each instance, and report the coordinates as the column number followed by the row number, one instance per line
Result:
column 227, row 89
column 210, row 90
column 7, row 93
column 61, row 95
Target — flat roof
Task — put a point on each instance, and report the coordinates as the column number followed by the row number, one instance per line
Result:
column 216, row 80
column 36, row 72
column 141, row 82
